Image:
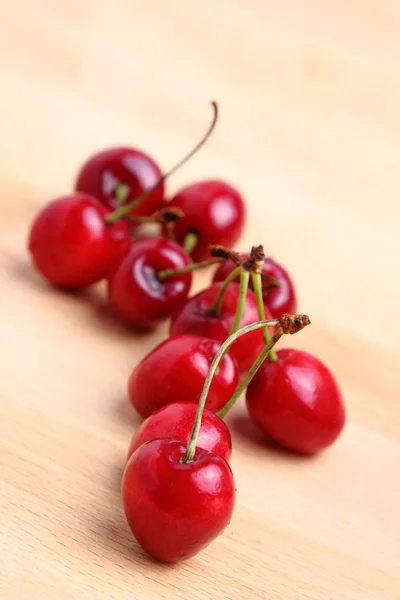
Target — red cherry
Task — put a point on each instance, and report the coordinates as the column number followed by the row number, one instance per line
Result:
column 214, row 211
column 279, row 299
column 136, row 294
column 70, row 243
column 103, row 172
column 176, row 508
column 175, row 421
column 296, row 401
column 194, row 318
column 181, row 364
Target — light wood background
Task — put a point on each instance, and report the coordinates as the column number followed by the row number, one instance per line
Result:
column 310, row 132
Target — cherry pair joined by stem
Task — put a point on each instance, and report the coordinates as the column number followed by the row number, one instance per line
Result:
column 278, row 290
column 178, row 498
column 72, row 245
column 214, row 213
column 181, row 364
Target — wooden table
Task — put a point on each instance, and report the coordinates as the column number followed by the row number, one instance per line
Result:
column 310, row 132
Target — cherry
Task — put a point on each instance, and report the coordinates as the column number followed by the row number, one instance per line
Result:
column 136, row 294
column 214, row 214
column 296, row 402
column 194, row 318
column 181, row 364
column 71, row 244
column 176, row 506
column 278, row 290
column 175, row 421
column 102, row 173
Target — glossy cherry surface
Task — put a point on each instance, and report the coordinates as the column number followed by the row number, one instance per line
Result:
column 214, row 211
column 296, row 401
column 194, row 318
column 104, row 171
column 70, row 243
column 135, row 292
column 175, row 421
column 182, row 364
column 176, row 509
column 279, row 299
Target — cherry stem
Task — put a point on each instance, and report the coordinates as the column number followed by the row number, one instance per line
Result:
column 215, row 309
column 288, row 323
column 252, row 371
column 190, row 242
column 124, row 210
column 121, row 193
column 167, row 273
column 191, row 447
column 257, row 287
column 244, row 284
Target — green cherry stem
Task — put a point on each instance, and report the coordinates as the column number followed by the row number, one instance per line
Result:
column 252, row 371
column 257, row 287
column 191, row 447
column 121, row 211
column 121, row 193
column 167, row 273
column 244, row 285
column 215, row 309
column 288, row 324
column 190, row 242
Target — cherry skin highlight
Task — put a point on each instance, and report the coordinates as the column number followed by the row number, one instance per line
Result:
column 296, row 401
column 71, row 244
column 104, row 171
column 181, row 364
column 175, row 421
column 195, row 319
column 279, row 299
column 175, row 508
column 136, row 295
column 214, row 211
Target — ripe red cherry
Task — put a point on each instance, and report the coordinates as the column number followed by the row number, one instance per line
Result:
column 136, row 294
column 70, row 243
column 181, row 364
column 176, row 508
column 279, row 299
column 214, row 212
column 103, row 172
column 175, row 421
column 296, row 401
column 194, row 318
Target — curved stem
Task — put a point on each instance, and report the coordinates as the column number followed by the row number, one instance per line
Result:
column 257, row 287
column 124, row 210
column 166, row 273
column 191, row 447
column 214, row 310
column 244, row 284
column 190, row 242
column 252, row 371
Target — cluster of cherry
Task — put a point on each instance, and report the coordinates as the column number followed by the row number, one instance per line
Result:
column 178, row 489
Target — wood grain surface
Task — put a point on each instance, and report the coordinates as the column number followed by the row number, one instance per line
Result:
column 310, row 132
